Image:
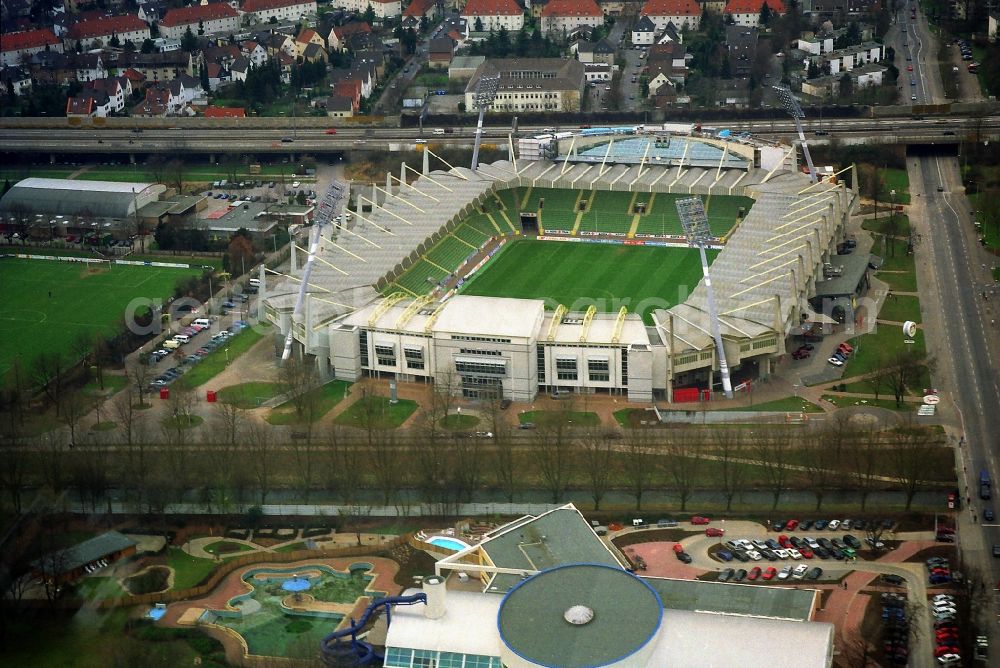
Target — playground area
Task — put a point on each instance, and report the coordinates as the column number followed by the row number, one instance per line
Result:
column 286, row 609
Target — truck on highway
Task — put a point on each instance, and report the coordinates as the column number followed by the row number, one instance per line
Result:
column 985, row 486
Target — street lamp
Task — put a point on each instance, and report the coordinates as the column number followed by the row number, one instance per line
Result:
column 794, row 109
column 486, row 92
column 695, row 223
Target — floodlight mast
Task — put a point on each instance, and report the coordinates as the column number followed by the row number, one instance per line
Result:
column 324, row 213
column 486, row 92
column 695, row 223
column 794, row 109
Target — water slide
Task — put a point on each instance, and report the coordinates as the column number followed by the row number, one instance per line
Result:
column 339, row 645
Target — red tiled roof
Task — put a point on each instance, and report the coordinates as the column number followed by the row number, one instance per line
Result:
column 351, row 28
column 107, row 25
column 572, row 8
column 225, row 112
column 82, row 104
column 262, row 5
column 134, row 75
column 29, row 39
column 419, row 7
column 306, row 36
column 671, row 8
column 753, row 6
column 196, row 13
column 492, row 8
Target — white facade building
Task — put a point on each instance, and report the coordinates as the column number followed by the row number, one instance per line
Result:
column 382, row 8
column 262, row 11
column 493, row 15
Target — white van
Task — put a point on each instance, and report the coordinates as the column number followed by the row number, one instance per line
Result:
column 204, row 323
column 182, row 339
column 171, row 344
column 254, row 282
column 439, row 131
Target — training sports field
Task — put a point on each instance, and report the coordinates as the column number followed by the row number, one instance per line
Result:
column 83, row 299
column 576, row 275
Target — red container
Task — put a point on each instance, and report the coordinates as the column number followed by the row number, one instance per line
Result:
column 210, row 396
column 164, row 393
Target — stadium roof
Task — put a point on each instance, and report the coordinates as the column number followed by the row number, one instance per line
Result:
column 675, row 150
column 99, row 199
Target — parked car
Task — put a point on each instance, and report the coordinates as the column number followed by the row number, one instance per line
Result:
column 698, row 519
column 799, row 571
column 784, row 573
column 769, row 573
column 714, row 532
column 754, row 573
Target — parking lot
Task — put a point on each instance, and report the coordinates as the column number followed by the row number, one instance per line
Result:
column 264, row 190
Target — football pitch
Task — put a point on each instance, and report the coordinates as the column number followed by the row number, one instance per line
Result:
column 641, row 278
column 45, row 304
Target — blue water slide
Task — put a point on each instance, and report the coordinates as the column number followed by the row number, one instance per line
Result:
column 341, row 644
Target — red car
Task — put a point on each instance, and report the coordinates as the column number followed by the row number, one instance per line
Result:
column 909, row 68
column 800, row 354
column 678, row 548
column 784, row 542
column 806, row 553
column 769, row 573
column 792, row 525
column 698, row 519
column 715, row 532
column 331, row 131
column 846, row 347
column 755, row 573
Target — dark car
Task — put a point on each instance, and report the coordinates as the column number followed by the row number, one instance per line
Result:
column 740, row 555
column 684, row 558
column 891, row 579
column 725, row 575
column 814, row 573
column 724, row 555
column 739, row 575
column 988, row 515
column 852, row 541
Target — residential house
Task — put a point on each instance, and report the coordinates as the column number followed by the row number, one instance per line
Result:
column 215, row 19
column 492, row 15
column 747, row 12
column 337, row 40
column 364, row 41
column 155, row 66
column 741, row 49
column 868, row 76
column 350, row 89
column 561, row 16
column 601, row 51
column 733, row 93
column 187, row 89
column 16, row 46
column 416, row 10
column 532, row 84
column 339, row 107
column 670, row 34
column 118, row 89
column 598, row 72
column 383, row 8
column 310, row 47
column 618, row 8
column 15, row 80
column 313, row 53
column 152, row 11
column 99, row 32
column 254, row 52
column 671, row 53
column 223, row 54
column 238, row 70
column 279, row 43
column 89, row 66
column 263, row 11
column 679, row 12
column 225, row 112
column 158, row 103
column 717, row 7
column 847, row 59
column 457, row 28
column 285, row 64
column 441, row 51
column 217, row 75
column 88, row 103
column 814, row 44
column 51, row 68
column 644, row 31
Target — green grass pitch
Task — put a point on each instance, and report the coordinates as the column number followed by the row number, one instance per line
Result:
column 82, row 300
column 641, row 278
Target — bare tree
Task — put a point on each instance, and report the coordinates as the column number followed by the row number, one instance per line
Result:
column 48, row 369
column 14, row 465
column 597, row 460
column 904, row 370
column 73, row 408
column 684, row 463
column 552, row 451
column 503, row 455
column 259, row 444
column 300, row 383
column 863, row 455
column 772, row 448
column 637, row 462
column 728, row 449
column 820, row 470
column 911, row 456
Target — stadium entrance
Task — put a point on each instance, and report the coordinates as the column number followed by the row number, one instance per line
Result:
column 529, row 223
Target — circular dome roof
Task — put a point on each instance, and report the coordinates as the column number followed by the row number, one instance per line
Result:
column 579, row 616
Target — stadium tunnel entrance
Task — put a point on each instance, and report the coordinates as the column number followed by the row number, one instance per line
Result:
column 529, row 223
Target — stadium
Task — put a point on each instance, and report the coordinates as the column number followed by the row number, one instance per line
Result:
column 566, row 269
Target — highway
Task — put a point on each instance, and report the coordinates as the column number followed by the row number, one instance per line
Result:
column 62, row 139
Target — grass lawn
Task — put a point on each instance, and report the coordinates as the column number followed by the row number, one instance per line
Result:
column 990, row 230
column 547, row 418
column 383, row 414
column 56, row 301
column 326, row 397
column 104, row 425
column 900, row 308
column 622, row 416
column 578, row 275
column 899, row 271
column 112, row 384
column 889, row 403
column 188, row 571
column 41, row 638
column 788, row 405
column 99, row 587
column 214, row 364
column 227, row 547
column 184, row 422
column 291, row 547
column 898, row 180
column 886, row 340
column 900, row 227
column 459, row 421
column 249, row 395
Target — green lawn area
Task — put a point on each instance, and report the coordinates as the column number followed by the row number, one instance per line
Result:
column 900, row 308
column 291, row 547
column 989, row 230
column 889, row 403
column 787, row 405
column 579, row 274
column 56, row 301
column 227, row 548
column 112, row 383
column 899, row 271
column 326, row 397
column 459, row 421
column 41, row 638
column 249, row 395
column 900, row 227
column 548, row 418
column 16, row 173
column 214, row 364
column 898, row 180
column 622, row 416
column 98, row 587
column 885, row 340
column 184, row 422
column 188, row 571
column 383, row 414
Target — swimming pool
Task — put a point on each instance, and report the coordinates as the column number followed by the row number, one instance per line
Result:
column 449, row 543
